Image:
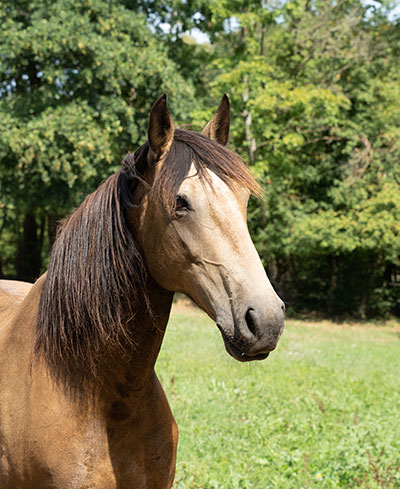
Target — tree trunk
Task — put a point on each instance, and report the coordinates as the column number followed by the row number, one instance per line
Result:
column 52, row 225
column 251, row 142
column 333, row 285
column 29, row 256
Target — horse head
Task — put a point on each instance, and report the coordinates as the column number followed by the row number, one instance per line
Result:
column 189, row 218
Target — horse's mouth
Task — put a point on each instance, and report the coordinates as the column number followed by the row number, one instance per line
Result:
column 235, row 351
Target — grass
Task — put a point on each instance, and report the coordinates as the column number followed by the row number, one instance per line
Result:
column 323, row 411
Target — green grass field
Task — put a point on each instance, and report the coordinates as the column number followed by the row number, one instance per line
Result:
column 322, row 411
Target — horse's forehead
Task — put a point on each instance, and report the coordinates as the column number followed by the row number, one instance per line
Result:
column 214, row 184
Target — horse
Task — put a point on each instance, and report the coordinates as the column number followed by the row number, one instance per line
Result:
column 80, row 403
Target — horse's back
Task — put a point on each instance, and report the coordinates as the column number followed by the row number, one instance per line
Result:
column 12, row 293
column 15, row 288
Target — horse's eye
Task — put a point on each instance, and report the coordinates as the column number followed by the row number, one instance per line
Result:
column 181, row 204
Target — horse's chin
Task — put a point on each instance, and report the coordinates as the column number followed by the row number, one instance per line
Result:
column 236, row 353
column 242, row 357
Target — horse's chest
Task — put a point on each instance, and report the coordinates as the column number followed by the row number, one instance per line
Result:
column 129, row 457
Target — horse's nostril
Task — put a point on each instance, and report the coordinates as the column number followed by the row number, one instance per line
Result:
column 250, row 321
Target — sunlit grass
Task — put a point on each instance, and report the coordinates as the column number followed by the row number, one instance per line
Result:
column 322, row 411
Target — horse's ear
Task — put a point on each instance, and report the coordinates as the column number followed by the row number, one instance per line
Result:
column 218, row 127
column 161, row 128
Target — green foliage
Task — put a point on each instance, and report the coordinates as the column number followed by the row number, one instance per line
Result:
column 322, row 411
column 78, row 81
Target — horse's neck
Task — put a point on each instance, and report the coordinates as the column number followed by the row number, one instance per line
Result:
column 122, row 374
column 125, row 377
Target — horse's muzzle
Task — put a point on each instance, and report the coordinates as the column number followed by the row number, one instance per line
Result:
column 254, row 337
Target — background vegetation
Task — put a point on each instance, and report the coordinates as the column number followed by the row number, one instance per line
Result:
column 323, row 411
column 315, row 92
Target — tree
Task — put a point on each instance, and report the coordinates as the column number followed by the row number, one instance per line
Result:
column 77, row 80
